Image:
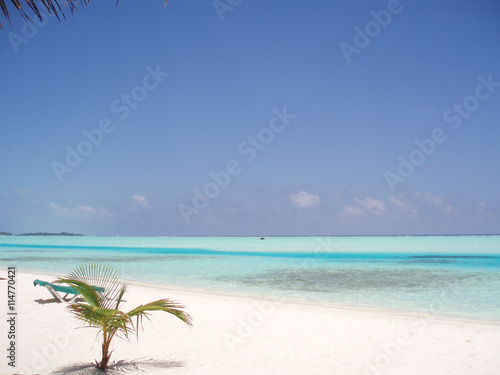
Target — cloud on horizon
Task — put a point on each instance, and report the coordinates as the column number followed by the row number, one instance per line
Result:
column 142, row 202
column 270, row 213
column 78, row 212
column 304, row 200
column 364, row 208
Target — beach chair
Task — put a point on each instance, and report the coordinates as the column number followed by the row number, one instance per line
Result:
column 55, row 288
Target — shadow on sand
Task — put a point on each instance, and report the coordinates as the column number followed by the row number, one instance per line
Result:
column 119, row 367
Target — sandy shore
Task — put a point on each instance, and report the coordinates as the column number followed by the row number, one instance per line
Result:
column 243, row 335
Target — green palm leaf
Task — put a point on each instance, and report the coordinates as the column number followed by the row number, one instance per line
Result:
column 86, row 290
column 166, row 305
column 100, row 276
column 95, row 316
column 101, row 309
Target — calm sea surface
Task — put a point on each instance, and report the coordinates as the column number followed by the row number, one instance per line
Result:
column 447, row 275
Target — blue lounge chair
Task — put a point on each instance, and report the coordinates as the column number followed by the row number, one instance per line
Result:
column 55, row 288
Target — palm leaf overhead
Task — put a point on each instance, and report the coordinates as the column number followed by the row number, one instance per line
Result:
column 103, row 293
column 85, row 277
column 53, row 7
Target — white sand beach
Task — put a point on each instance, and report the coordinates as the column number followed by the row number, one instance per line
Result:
column 244, row 335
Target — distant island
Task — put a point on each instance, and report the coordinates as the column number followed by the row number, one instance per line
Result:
column 46, row 234
column 5, row 234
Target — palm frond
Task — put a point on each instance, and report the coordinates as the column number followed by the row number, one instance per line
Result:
column 52, row 6
column 102, row 276
column 95, row 315
column 110, row 320
column 120, row 296
column 102, row 308
column 88, row 293
column 169, row 306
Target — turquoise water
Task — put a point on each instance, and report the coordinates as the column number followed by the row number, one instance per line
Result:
column 447, row 275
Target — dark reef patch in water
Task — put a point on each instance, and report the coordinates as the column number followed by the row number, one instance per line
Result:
column 326, row 280
column 428, row 261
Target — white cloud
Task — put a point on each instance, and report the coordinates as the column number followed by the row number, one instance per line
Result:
column 141, row 200
column 304, row 200
column 398, row 202
column 23, row 192
column 372, row 206
column 364, row 208
column 449, row 210
column 417, row 204
column 434, row 199
column 78, row 212
column 25, row 196
column 87, row 210
column 352, row 211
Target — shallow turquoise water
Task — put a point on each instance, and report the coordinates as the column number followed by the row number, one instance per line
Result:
column 450, row 275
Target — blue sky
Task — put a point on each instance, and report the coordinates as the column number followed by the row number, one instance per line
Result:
column 253, row 118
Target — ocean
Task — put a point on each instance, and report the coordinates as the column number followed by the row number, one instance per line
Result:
column 456, row 276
